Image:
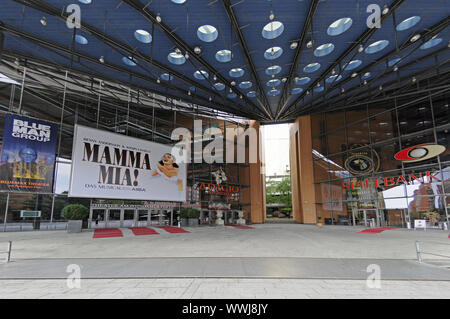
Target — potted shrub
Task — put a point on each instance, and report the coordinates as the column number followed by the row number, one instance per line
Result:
column 184, row 216
column 194, row 215
column 319, row 221
column 75, row 214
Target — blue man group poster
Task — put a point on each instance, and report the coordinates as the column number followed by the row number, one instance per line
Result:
column 27, row 161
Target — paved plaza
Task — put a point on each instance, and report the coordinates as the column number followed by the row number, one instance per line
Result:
column 269, row 261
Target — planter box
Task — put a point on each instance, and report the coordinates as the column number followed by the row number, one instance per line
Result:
column 193, row 222
column 184, row 222
column 74, row 226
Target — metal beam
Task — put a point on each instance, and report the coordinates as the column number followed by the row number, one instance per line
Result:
column 182, row 45
column 234, row 22
column 364, row 37
column 298, row 52
column 47, row 8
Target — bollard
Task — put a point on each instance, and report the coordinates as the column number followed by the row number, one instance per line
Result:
column 419, row 257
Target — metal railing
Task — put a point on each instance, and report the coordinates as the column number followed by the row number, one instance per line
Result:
column 421, row 252
column 7, row 252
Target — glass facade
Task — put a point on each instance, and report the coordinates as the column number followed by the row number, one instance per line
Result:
column 357, row 178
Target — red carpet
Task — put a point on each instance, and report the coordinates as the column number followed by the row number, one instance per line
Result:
column 139, row 231
column 107, row 232
column 241, row 226
column 173, row 230
column 375, row 230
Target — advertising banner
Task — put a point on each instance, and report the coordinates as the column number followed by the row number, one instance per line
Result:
column 115, row 166
column 28, row 155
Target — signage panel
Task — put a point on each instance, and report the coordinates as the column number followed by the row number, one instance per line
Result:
column 115, row 166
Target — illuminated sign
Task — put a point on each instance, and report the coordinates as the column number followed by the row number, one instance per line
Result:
column 388, row 181
column 419, row 152
column 219, row 189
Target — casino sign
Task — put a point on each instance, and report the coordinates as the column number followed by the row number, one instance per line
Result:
column 419, row 152
column 362, row 159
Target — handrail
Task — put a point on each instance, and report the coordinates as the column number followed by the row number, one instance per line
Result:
column 419, row 252
column 8, row 252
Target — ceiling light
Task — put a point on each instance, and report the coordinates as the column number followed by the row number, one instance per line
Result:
column 233, row 83
column 309, row 44
column 380, row 87
column 231, row 90
column 354, row 74
column 414, row 79
column 44, row 21
column 158, row 80
column 365, row 82
column 395, row 68
column 307, row 92
column 102, row 59
column 177, row 51
column 294, row 45
column 318, row 85
column 189, row 92
column 385, row 9
column 415, row 37
column 197, row 50
column 284, row 79
column 271, row 15
column 215, row 77
column 158, row 18
column 360, row 48
column 333, row 72
column 342, row 90
column 272, row 51
column 16, row 61
column 210, row 99
column 186, row 55
column 241, row 96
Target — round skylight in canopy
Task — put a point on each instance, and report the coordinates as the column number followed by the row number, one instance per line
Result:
column 207, row 33
column 143, row 36
column 129, row 61
column 219, row 86
column 273, row 53
column 223, row 56
column 324, row 49
column 176, row 58
column 273, row 82
column 236, row 72
column 251, row 94
column 274, row 69
column 408, row 23
column 85, row 1
column 302, row 80
column 166, row 77
column 339, row 26
column 245, row 85
column 352, row 65
column 312, row 67
column 201, row 75
column 179, row 1
column 297, row 90
column 318, row 89
column 431, row 43
column 80, row 39
column 366, row 75
column 333, row 78
column 377, row 46
column 273, row 92
column 393, row 62
column 272, row 30
column 232, row 95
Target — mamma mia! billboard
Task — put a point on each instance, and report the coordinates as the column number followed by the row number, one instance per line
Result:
column 114, row 166
column 28, row 155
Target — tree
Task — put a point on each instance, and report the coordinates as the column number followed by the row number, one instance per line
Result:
column 279, row 192
column 75, row 212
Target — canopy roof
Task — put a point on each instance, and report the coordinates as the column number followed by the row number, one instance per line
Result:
column 266, row 60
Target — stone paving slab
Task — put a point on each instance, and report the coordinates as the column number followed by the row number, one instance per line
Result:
column 222, row 289
column 223, row 267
